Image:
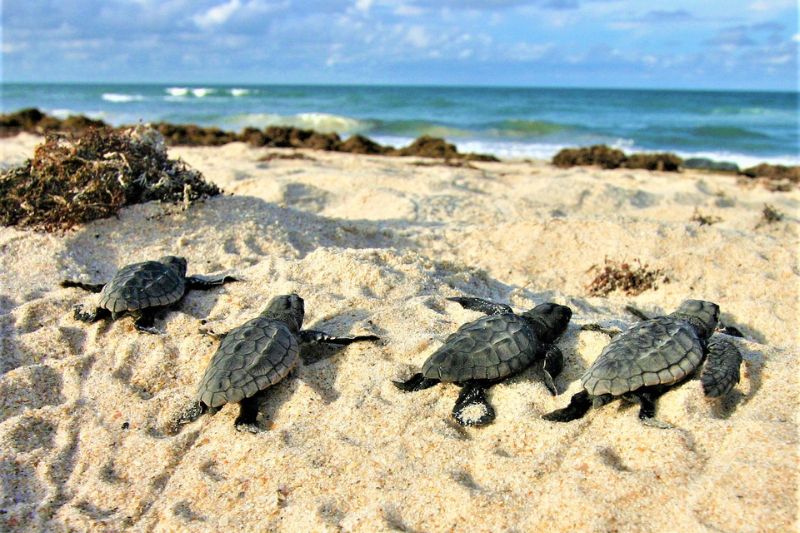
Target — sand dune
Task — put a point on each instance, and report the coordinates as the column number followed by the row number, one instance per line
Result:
column 375, row 245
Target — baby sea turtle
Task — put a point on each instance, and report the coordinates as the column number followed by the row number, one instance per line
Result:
column 253, row 357
column 646, row 360
column 488, row 350
column 139, row 288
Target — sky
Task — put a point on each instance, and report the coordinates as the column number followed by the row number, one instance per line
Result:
column 708, row 44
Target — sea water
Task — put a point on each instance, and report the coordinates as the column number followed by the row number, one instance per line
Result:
column 743, row 127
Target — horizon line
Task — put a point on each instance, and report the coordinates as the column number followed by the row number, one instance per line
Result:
column 390, row 85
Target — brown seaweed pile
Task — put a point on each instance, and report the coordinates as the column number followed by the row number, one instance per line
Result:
column 34, row 121
column 609, row 158
column 622, row 276
column 73, row 181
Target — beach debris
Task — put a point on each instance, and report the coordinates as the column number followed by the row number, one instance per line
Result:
column 704, row 220
column 253, row 357
column 610, row 158
column 490, row 349
column 71, row 181
column 630, row 279
column 646, row 360
column 34, row 121
column 769, row 215
column 139, row 289
column 661, row 162
column 776, row 178
column 31, row 120
column 598, row 155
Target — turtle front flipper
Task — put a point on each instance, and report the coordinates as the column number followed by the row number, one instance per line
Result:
column 552, row 366
column 203, row 283
column 248, row 413
column 579, row 405
column 91, row 287
column 721, row 370
column 310, row 336
column 473, row 395
column 481, row 305
column 415, row 383
column 85, row 316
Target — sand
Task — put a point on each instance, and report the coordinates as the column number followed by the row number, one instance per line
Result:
column 375, row 245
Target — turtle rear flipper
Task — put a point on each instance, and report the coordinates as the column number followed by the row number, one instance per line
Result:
column 199, row 282
column 145, row 321
column 481, row 305
column 579, row 405
column 187, row 415
column 248, row 414
column 721, row 370
column 473, row 395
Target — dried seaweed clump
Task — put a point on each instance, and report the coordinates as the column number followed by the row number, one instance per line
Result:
column 769, row 215
column 70, row 182
column 704, row 220
column 776, row 178
column 631, row 280
column 605, row 157
column 599, row 154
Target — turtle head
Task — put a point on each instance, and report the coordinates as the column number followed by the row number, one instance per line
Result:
column 178, row 264
column 287, row 308
column 548, row 320
column 702, row 315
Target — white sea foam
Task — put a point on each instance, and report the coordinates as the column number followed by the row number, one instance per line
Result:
column 516, row 150
column 323, row 122
column 122, row 98
column 240, row 92
column 201, row 92
column 177, row 91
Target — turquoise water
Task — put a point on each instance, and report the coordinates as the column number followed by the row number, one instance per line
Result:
column 744, row 127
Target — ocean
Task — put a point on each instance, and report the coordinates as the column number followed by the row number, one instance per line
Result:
column 738, row 126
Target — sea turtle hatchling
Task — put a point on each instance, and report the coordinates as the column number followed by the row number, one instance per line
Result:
column 254, row 356
column 646, row 360
column 139, row 288
column 490, row 349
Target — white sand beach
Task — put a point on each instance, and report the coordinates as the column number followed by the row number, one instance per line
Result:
column 375, row 245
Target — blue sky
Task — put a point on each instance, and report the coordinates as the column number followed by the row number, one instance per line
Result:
column 747, row 44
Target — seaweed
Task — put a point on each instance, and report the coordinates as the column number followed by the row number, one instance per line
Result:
column 599, row 155
column 662, row 162
column 73, row 180
column 610, row 158
column 769, row 215
column 704, row 220
column 631, row 280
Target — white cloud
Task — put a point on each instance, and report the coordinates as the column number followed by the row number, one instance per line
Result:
column 405, row 10
column 418, row 37
column 217, row 15
column 796, row 37
column 363, row 5
column 772, row 5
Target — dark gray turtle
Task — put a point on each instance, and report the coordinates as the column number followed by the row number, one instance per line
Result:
column 646, row 360
column 255, row 356
column 139, row 288
column 488, row 350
